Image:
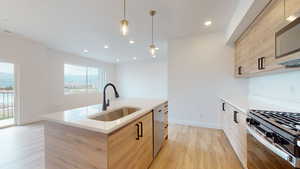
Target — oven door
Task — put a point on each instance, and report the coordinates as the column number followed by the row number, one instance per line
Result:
column 262, row 154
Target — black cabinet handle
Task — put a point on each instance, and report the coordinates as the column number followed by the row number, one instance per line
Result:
column 235, row 117
column 138, row 132
column 223, row 106
column 142, row 130
column 262, row 63
column 240, row 70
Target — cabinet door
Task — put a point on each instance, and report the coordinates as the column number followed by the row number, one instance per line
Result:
column 242, row 139
column 242, row 55
column 266, row 25
column 145, row 146
column 228, row 122
column 123, row 148
column 236, row 132
column 292, row 7
column 125, row 151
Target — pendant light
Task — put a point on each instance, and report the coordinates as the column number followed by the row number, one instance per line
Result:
column 152, row 47
column 124, row 22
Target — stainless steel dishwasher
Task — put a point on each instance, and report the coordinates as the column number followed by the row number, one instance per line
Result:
column 158, row 121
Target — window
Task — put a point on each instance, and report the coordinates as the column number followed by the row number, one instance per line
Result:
column 80, row 79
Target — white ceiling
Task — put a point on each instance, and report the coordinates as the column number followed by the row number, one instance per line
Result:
column 75, row 25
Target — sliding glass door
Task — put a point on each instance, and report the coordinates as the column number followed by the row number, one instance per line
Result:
column 7, row 94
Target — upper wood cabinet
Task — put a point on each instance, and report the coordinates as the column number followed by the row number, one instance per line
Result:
column 255, row 49
column 292, row 7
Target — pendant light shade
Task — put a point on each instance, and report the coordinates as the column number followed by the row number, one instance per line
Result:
column 152, row 47
column 124, row 22
column 124, row 27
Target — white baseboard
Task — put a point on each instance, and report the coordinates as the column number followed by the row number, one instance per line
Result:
column 33, row 120
column 195, row 123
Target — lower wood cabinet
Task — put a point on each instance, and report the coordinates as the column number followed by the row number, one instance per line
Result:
column 132, row 146
column 234, row 126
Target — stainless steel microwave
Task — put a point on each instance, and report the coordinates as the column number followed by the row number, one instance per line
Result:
column 287, row 42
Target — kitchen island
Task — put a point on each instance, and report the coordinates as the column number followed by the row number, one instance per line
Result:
column 89, row 138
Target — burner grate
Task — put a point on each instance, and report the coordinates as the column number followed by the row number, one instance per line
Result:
column 284, row 119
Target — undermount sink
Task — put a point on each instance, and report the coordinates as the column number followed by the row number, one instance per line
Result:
column 115, row 114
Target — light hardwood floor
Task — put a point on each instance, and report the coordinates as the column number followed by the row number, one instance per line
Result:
column 188, row 148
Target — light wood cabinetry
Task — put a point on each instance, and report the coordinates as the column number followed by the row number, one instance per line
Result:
column 292, row 7
column 68, row 147
column 255, row 49
column 145, row 145
column 166, row 122
column 234, row 126
column 130, row 147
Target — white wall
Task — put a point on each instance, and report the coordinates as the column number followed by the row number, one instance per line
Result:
column 281, row 91
column 143, row 79
column 200, row 70
column 41, row 76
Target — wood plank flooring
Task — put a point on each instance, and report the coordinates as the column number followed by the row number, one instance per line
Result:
column 196, row 148
column 188, row 148
column 22, row 147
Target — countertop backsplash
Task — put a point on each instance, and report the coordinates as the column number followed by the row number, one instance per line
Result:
column 280, row 91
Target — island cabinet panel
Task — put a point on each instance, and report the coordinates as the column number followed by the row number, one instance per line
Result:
column 71, row 148
column 145, row 146
column 132, row 146
column 255, row 49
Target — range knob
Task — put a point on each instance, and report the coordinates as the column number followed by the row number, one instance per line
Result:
column 248, row 120
column 279, row 140
column 269, row 134
column 252, row 121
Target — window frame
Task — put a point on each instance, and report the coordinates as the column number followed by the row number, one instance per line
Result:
column 101, row 80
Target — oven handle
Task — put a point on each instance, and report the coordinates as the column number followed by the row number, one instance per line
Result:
column 286, row 156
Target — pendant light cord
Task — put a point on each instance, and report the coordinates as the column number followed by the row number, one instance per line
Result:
column 152, row 31
column 284, row 12
column 124, row 9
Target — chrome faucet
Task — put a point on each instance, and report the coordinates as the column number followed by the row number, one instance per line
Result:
column 106, row 104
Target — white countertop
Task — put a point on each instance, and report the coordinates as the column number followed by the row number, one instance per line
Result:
column 260, row 103
column 243, row 107
column 80, row 117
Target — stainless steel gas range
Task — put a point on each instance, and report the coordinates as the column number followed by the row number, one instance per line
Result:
column 273, row 140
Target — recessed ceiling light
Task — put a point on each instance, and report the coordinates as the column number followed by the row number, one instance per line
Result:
column 131, row 41
column 134, row 58
column 291, row 18
column 106, row 46
column 207, row 23
column 85, row 51
column 118, row 60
